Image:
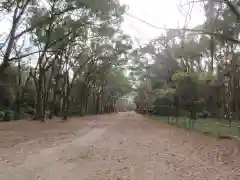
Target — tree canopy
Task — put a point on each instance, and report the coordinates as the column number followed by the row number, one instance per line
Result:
column 60, row 58
column 193, row 69
column 63, row 57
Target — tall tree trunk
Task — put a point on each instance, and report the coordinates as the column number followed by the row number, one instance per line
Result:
column 66, row 96
column 52, row 104
column 65, row 109
column 18, row 98
column 39, row 114
column 17, row 14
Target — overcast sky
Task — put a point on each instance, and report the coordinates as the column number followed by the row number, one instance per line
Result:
column 159, row 13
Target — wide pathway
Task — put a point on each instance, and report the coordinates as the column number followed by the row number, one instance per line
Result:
column 128, row 146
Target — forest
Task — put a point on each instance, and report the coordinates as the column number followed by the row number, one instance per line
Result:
column 71, row 57
column 193, row 72
column 62, row 58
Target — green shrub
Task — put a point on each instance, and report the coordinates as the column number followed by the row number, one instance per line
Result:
column 77, row 114
column 2, row 114
column 9, row 115
column 161, row 106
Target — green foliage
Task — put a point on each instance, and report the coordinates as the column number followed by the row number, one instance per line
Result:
column 2, row 114
column 118, row 82
column 7, row 115
column 163, row 106
column 183, row 72
column 167, row 92
column 210, row 126
column 81, row 54
column 181, row 76
column 207, row 77
column 77, row 51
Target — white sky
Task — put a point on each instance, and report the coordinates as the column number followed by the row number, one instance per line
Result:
column 162, row 13
column 159, row 13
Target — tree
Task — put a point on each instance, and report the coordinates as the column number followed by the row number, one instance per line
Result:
column 199, row 64
column 74, row 46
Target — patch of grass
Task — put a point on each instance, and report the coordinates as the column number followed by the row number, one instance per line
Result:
column 208, row 126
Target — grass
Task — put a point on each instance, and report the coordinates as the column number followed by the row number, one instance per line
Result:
column 208, row 126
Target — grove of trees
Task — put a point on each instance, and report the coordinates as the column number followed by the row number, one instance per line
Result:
column 193, row 70
column 61, row 57
column 69, row 57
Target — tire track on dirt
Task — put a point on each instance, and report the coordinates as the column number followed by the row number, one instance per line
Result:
column 50, row 157
column 128, row 146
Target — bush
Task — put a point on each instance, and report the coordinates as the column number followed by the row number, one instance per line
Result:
column 77, row 114
column 2, row 114
column 9, row 115
column 161, row 110
column 203, row 114
column 161, row 106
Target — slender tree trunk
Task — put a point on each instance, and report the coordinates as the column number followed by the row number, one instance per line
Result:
column 17, row 14
column 18, row 98
column 39, row 115
column 10, row 44
column 65, row 109
column 66, row 96
column 53, row 105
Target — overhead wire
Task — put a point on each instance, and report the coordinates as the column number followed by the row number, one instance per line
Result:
column 200, row 31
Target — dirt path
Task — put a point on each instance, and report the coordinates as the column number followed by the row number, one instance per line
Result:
column 122, row 146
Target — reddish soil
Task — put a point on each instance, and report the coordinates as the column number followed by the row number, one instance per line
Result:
column 121, row 146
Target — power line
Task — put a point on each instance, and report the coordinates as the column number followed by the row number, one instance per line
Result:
column 200, row 31
column 145, row 22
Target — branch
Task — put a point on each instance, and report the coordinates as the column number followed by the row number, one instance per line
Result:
column 233, row 8
column 58, row 40
column 42, row 22
column 79, row 69
column 5, row 42
column 200, row 31
column 227, row 2
column 29, row 54
column 35, row 52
